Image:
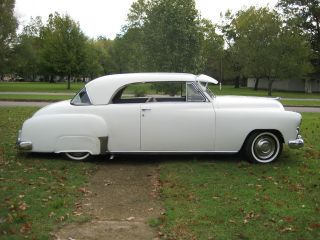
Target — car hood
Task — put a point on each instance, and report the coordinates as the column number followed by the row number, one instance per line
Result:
column 247, row 102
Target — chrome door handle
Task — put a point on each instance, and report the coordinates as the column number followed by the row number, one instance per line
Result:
column 146, row 109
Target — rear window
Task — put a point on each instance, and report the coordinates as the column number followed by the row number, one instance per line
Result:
column 81, row 98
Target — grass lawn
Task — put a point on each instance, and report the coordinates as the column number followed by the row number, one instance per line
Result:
column 37, row 192
column 224, row 197
column 39, row 87
column 205, row 197
column 28, row 97
column 230, row 90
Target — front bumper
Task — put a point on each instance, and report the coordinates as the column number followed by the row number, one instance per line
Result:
column 23, row 145
column 297, row 143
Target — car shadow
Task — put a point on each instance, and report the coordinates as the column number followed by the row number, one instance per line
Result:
column 141, row 158
column 166, row 158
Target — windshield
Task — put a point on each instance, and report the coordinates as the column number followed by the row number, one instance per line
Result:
column 81, row 98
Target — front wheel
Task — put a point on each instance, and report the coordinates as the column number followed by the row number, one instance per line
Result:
column 78, row 156
column 263, row 147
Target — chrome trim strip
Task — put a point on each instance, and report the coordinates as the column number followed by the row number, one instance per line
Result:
column 297, row 143
column 199, row 90
column 173, row 152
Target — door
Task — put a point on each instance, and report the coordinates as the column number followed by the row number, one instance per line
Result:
column 187, row 126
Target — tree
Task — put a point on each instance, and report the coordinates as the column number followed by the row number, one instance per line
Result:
column 26, row 51
column 92, row 65
column 305, row 14
column 212, row 49
column 267, row 48
column 129, row 51
column 104, row 54
column 8, row 26
column 231, row 57
column 64, row 47
column 172, row 36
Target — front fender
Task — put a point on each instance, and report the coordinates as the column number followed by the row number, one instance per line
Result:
column 234, row 125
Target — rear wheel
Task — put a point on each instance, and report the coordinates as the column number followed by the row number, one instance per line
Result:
column 263, row 147
column 78, row 156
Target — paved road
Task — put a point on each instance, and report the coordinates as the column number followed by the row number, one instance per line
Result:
column 303, row 109
column 301, row 99
column 42, row 104
column 22, row 104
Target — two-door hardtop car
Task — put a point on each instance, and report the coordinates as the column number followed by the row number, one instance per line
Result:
column 160, row 113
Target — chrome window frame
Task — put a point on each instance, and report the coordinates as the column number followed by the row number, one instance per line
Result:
column 199, row 90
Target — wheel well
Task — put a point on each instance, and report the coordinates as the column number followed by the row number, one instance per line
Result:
column 274, row 131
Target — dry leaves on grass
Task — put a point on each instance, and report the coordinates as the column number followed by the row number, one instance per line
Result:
column 84, row 190
column 26, row 228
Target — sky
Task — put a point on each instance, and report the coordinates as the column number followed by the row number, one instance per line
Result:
column 105, row 17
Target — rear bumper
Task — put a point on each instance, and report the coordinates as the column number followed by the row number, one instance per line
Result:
column 23, row 145
column 297, row 143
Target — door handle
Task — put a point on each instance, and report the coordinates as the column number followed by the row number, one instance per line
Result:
column 146, row 109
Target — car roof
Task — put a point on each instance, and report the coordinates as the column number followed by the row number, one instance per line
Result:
column 102, row 89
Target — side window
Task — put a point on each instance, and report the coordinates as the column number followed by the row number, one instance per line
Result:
column 152, row 92
column 81, row 98
column 193, row 94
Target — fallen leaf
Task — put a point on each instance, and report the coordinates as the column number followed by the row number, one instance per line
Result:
column 26, row 228
column 129, row 218
column 288, row 219
column 314, row 225
column 51, row 214
column 287, row 229
column 23, row 206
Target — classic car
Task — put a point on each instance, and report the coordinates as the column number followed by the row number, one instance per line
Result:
column 160, row 113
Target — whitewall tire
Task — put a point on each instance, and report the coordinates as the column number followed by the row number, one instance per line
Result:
column 263, row 147
column 78, row 156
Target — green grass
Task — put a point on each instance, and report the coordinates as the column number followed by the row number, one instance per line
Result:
column 227, row 198
column 39, row 87
column 37, row 192
column 230, row 90
column 29, row 97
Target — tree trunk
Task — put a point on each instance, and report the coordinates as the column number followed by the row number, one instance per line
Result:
column 307, row 86
column 270, row 82
column 237, row 82
column 69, row 78
column 256, row 84
column 243, row 81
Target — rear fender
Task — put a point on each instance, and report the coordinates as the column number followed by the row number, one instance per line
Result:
column 66, row 133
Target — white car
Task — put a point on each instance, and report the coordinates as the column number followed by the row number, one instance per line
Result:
column 160, row 113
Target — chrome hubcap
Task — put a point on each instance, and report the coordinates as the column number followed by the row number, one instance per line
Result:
column 264, row 147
